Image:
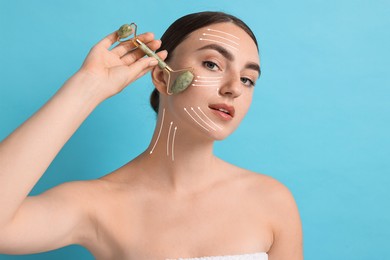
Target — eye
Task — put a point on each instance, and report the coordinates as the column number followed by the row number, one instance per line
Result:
column 210, row 65
column 247, row 82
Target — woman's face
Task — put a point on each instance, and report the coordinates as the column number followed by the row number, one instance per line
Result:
column 226, row 65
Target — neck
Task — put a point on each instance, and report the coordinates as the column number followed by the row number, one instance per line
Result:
column 179, row 159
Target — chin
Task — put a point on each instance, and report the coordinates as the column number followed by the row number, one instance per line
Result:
column 219, row 136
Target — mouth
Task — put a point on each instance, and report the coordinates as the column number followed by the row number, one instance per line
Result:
column 223, row 110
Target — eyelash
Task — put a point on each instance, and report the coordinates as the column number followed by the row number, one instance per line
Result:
column 207, row 63
column 251, row 83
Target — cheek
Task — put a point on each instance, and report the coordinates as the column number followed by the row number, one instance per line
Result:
column 246, row 103
column 206, row 83
column 191, row 109
column 202, row 90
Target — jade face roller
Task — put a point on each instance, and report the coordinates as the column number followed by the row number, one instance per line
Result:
column 184, row 77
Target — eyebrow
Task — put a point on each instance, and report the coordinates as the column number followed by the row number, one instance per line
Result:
column 229, row 56
column 224, row 52
column 254, row 66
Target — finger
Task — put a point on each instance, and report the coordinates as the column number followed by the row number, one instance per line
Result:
column 143, row 65
column 139, row 68
column 108, row 40
column 162, row 54
column 137, row 53
column 124, row 47
column 143, row 72
column 132, row 56
column 133, row 72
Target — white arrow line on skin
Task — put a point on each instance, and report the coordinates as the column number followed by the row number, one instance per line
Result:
column 203, row 85
column 203, row 39
column 199, row 80
column 208, row 29
column 196, row 121
column 209, row 119
column 209, row 77
column 173, row 144
column 159, row 132
column 213, row 35
column 169, row 133
column 202, row 119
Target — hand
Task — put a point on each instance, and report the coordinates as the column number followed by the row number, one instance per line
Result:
column 112, row 70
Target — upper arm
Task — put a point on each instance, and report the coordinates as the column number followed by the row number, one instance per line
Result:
column 287, row 226
column 54, row 219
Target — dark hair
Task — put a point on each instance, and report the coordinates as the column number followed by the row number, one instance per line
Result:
column 182, row 27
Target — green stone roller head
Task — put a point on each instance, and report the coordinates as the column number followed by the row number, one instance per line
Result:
column 184, row 77
column 182, row 82
column 125, row 31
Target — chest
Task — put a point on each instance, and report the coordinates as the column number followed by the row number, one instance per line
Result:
column 155, row 228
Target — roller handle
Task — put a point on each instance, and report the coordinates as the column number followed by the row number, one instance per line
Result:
column 150, row 53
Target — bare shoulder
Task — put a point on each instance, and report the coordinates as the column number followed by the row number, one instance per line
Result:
column 278, row 203
column 91, row 191
column 261, row 186
column 274, row 197
column 77, row 190
column 267, row 187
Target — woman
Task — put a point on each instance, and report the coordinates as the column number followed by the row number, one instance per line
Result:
column 176, row 199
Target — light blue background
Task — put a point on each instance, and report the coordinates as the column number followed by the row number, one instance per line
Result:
column 319, row 122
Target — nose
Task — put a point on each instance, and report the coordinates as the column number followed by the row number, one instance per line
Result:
column 231, row 87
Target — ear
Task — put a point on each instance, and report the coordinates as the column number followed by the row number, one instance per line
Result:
column 160, row 79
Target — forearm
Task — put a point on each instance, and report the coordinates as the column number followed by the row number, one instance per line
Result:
column 28, row 151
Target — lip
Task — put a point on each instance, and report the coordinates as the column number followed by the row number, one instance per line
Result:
column 226, row 116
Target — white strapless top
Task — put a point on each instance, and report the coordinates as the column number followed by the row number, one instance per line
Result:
column 255, row 256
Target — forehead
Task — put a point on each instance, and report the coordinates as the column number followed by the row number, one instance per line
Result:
column 228, row 29
column 227, row 35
